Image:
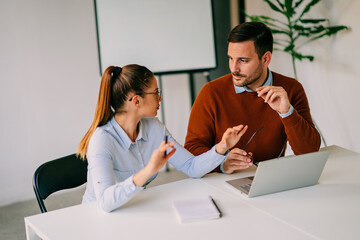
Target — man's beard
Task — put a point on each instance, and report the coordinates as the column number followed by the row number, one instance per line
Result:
column 248, row 79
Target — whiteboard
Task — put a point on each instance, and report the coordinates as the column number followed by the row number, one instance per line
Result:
column 164, row 35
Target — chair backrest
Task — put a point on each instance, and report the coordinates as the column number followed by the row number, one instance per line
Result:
column 62, row 173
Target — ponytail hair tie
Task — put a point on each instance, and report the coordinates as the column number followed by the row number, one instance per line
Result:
column 115, row 73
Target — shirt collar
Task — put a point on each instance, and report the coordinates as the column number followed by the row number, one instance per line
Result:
column 268, row 82
column 142, row 133
column 125, row 141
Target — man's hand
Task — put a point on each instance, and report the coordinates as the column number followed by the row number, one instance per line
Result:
column 276, row 97
column 237, row 159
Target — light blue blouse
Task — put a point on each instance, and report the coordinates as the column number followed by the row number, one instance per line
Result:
column 113, row 159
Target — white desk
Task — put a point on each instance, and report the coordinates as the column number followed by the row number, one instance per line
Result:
column 329, row 210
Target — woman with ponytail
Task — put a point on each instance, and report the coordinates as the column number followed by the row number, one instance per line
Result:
column 124, row 145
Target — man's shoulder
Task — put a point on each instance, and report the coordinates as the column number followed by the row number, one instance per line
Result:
column 223, row 79
column 285, row 81
column 219, row 83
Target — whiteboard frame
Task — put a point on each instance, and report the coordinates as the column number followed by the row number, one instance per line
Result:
column 169, row 71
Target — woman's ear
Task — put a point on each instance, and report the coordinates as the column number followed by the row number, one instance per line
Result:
column 136, row 100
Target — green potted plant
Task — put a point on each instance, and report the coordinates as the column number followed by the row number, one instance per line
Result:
column 296, row 30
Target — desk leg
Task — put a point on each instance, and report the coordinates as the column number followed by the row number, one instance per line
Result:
column 30, row 234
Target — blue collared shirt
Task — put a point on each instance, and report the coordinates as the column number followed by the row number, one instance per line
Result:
column 268, row 82
column 114, row 159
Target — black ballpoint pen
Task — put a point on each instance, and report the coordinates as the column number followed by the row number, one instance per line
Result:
column 166, row 141
column 220, row 213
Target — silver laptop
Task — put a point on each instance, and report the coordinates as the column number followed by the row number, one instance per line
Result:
column 283, row 174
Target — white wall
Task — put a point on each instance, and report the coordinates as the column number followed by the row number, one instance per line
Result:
column 49, row 79
column 177, row 104
column 332, row 80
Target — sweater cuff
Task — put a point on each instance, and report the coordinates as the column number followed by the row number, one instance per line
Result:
column 291, row 120
column 284, row 115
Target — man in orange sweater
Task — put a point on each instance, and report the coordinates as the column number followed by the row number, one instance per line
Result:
column 255, row 96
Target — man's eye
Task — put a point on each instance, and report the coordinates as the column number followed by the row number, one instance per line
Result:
column 244, row 60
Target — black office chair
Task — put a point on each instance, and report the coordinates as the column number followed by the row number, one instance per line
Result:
column 62, row 173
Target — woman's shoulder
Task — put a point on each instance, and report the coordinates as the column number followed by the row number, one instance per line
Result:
column 153, row 127
column 102, row 142
column 152, row 122
column 102, row 136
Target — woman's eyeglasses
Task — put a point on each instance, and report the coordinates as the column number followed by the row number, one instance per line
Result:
column 157, row 93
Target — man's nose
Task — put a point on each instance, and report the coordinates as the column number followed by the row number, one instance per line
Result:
column 235, row 67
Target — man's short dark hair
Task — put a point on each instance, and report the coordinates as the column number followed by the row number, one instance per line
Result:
column 253, row 31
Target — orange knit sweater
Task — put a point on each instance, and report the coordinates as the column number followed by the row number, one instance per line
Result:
column 218, row 107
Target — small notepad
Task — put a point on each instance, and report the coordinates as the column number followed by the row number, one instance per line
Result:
column 196, row 209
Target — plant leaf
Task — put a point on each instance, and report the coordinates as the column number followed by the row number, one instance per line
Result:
column 317, row 29
column 271, row 22
column 280, row 4
column 259, row 17
column 308, row 6
column 289, row 48
column 277, row 31
column 301, row 28
column 301, row 57
column 279, row 44
column 329, row 31
column 289, row 9
column 319, row 20
column 297, row 4
column 334, row 29
column 274, row 7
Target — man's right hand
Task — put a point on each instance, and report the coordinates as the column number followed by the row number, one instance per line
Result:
column 237, row 159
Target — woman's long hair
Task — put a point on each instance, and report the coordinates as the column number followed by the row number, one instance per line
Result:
column 116, row 84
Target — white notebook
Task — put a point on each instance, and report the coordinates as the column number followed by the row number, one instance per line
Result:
column 196, row 209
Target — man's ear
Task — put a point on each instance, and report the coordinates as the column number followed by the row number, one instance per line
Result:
column 266, row 58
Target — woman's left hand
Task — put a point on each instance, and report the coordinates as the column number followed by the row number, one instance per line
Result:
column 157, row 161
column 230, row 138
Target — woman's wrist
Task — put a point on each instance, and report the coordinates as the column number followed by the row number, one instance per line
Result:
column 141, row 177
column 221, row 148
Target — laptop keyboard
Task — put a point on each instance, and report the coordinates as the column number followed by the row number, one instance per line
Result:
column 245, row 188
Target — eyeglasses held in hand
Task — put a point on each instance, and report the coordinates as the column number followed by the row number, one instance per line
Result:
column 250, row 141
column 252, row 137
column 282, row 150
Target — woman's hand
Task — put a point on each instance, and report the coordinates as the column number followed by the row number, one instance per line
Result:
column 230, row 138
column 157, row 161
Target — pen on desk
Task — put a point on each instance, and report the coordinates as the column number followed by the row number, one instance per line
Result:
column 220, row 213
column 166, row 141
